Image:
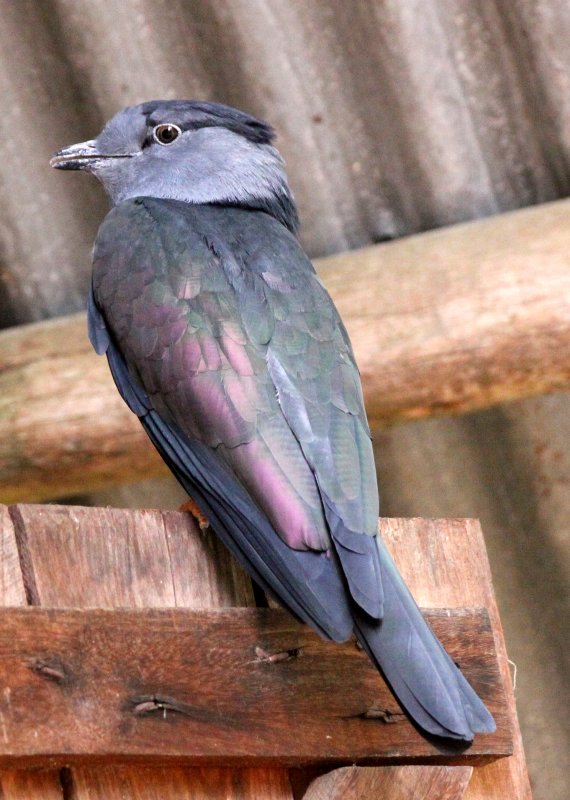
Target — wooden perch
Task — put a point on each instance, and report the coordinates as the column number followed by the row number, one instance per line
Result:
column 218, row 687
column 443, row 322
column 60, row 557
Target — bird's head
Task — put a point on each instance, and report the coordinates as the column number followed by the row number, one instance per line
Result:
column 186, row 150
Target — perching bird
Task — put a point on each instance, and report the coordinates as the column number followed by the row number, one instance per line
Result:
column 222, row 339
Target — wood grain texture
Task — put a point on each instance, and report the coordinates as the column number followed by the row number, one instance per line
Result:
column 460, row 318
column 108, row 558
column 30, row 785
column 443, row 322
column 400, row 783
column 12, row 591
column 112, row 558
column 233, row 687
column 175, row 783
column 19, row 784
column 444, row 562
column 62, row 422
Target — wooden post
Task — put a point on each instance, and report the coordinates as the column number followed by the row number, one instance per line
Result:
column 102, row 558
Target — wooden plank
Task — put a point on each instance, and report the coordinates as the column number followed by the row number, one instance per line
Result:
column 33, row 785
column 391, row 783
column 120, row 783
column 442, row 322
column 432, row 554
column 121, row 558
column 445, row 563
column 12, row 591
column 118, row 558
column 233, row 686
column 18, row 784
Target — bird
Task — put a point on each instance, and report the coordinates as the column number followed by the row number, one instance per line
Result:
column 223, row 340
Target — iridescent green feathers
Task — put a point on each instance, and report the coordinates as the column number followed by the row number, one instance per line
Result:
column 235, row 339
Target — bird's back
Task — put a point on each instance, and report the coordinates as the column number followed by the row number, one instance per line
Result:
column 221, row 317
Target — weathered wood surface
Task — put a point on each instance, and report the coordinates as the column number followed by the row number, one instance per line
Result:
column 174, row 783
column 443, row 322
column 431, row 554
column 235, row 686
column 400, row 783
column 12, row 592
column 32, row 785
column 111, row 558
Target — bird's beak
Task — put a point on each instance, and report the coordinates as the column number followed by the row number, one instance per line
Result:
column 76, row 156
column 84, row 155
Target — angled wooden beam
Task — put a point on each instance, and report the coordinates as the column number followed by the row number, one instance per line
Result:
column 443, row 322
column 393, row 783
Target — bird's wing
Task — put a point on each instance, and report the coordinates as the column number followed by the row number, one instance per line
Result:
column 219, row 316
column 312, row 368
column 306, row 581
column 188, row 333
column 319, row 392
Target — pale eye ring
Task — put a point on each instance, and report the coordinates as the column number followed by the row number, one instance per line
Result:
column 166, row 133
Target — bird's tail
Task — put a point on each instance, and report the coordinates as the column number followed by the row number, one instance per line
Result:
column 423, row 677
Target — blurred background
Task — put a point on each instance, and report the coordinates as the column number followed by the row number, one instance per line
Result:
column 394, row 117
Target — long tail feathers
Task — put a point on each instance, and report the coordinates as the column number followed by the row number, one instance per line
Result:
column 423, row 677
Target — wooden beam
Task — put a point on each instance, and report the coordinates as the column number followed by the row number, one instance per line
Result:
column 396, row 783
column 105, row 782
column 460, row 318
column 30, row 785
column 225, row 687
column 443, row 322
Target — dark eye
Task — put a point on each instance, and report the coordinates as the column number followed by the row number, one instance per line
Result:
column 166, row 134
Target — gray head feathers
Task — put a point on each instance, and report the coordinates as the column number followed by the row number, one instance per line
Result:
column 211, row 153
column 194, row 114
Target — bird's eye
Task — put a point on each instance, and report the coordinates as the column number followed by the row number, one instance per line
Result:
column 166, row 133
